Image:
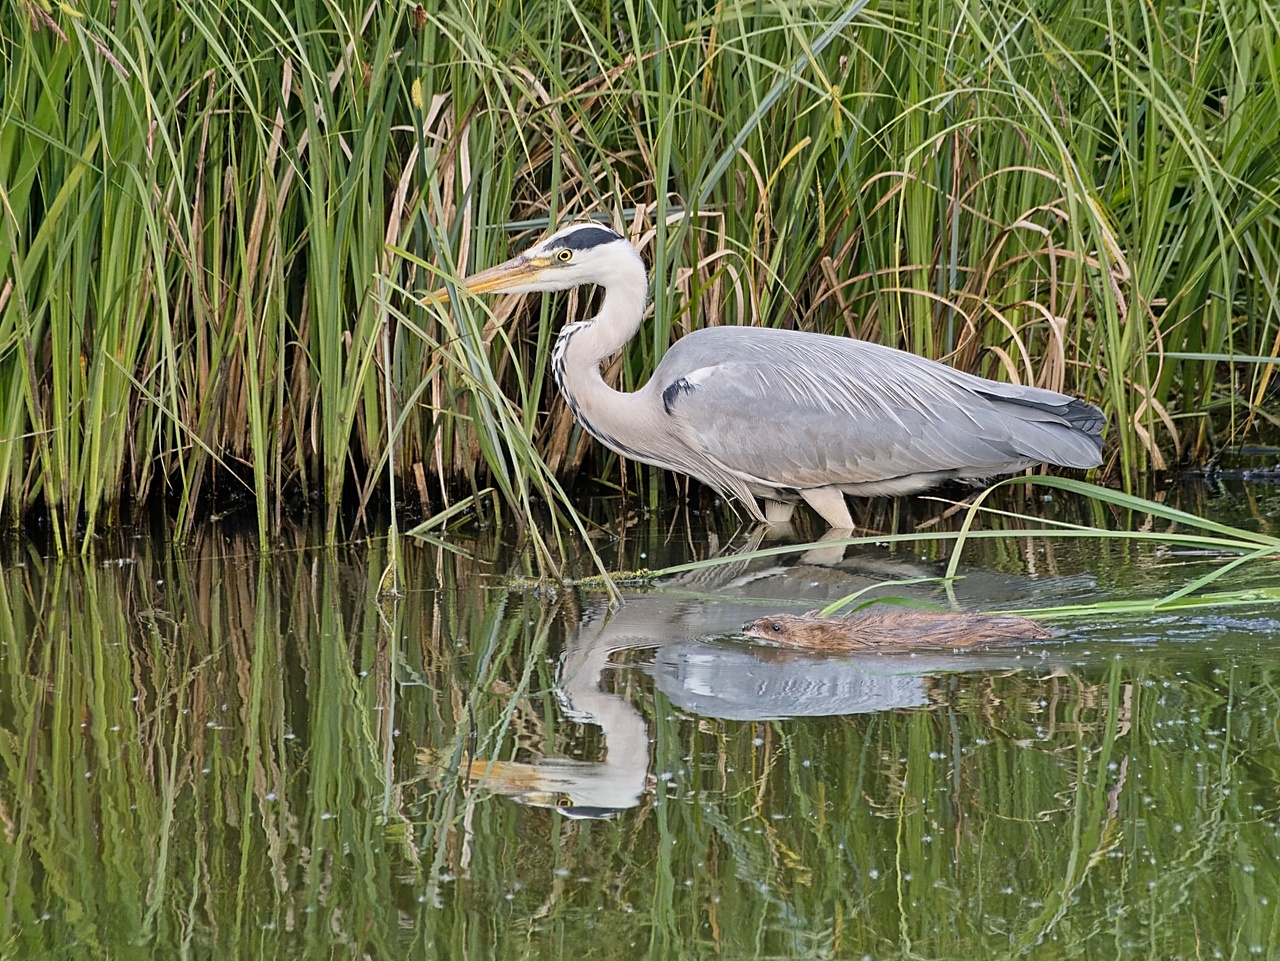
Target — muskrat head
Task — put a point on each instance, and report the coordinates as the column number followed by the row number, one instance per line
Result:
column 770, row 628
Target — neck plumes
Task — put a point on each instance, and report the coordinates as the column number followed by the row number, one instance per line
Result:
column 608, row 415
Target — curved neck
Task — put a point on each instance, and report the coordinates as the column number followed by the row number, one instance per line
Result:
column 608, row 415
column 625, row 294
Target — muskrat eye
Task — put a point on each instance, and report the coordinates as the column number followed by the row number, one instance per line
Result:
column 777, row 627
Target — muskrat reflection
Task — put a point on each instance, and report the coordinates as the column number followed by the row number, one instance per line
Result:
column 710, row 678
column 882, row 628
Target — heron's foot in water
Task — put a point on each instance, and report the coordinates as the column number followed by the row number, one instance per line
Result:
column 827, row 556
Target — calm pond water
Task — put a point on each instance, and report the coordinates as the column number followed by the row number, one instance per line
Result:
column 211, row 754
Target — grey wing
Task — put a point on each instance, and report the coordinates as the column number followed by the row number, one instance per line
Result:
column 806, row 410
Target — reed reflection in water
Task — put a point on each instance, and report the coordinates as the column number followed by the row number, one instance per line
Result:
column 211, row 754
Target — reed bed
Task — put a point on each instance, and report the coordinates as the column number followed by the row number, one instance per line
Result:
column 213, row 212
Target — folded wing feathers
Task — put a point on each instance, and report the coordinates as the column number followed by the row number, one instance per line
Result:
column 871, row 381
column 874, row 385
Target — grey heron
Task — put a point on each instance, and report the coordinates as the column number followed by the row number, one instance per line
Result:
column 784, row 415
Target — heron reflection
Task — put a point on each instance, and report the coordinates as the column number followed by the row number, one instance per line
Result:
column 706, row 676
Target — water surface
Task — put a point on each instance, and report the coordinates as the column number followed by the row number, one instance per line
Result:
column 211, row 753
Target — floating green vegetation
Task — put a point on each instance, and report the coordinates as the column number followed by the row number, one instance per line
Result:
column 1247, row 546
column 212, row 213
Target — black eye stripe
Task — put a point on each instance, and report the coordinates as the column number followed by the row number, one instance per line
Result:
column 585, row 239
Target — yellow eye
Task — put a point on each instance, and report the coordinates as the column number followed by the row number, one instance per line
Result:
column 564, row 801
column 565, row 255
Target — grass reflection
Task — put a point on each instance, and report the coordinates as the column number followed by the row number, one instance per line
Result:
column 206, row 753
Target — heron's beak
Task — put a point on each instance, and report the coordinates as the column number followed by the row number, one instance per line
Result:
column 517, row 272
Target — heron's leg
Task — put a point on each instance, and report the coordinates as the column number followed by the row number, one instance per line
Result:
column 830, row 505
column 778, row 512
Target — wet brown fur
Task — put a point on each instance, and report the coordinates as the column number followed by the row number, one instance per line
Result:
column 895, row 628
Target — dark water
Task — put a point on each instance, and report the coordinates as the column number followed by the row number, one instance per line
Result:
column 211, row 754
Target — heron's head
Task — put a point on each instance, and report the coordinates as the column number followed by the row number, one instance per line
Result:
column 579, row 254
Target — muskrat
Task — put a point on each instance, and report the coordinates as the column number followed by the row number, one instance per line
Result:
column 895, row 628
